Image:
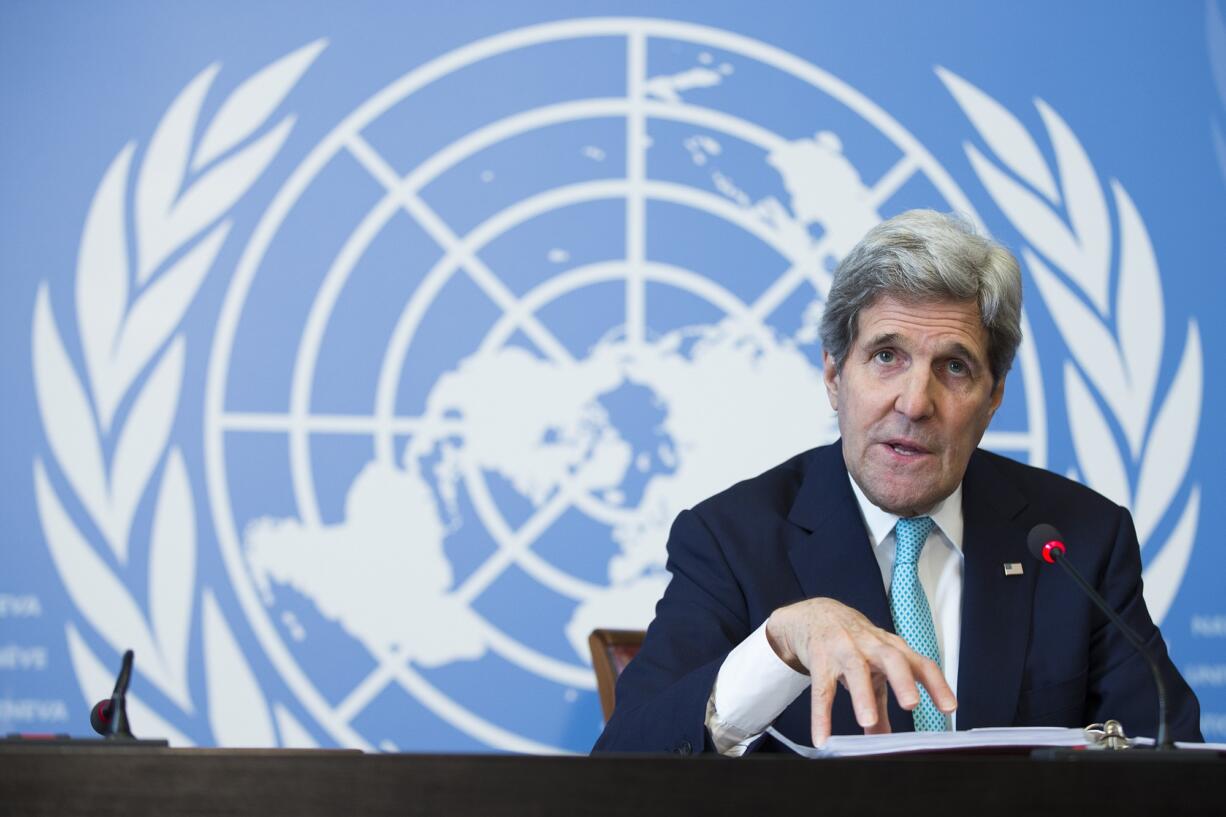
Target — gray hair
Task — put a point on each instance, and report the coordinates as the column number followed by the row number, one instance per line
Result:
column 922, row 255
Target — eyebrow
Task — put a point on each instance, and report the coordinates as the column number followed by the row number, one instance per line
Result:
column 884, row 339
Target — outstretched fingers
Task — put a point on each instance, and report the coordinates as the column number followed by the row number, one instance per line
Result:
column 836, row 644
column 870, row 671
column 846, row 665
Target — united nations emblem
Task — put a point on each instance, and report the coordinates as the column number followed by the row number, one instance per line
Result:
column 469, row 368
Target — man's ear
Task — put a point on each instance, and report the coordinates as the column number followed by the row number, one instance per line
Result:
column 998, row 395
column 830, row 374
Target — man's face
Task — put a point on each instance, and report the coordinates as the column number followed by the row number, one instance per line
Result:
column 914, row 397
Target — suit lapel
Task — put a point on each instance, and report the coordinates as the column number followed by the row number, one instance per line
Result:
column 995, row 608
column 835, row 560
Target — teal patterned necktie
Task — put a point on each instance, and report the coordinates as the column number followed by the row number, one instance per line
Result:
column 912, row 616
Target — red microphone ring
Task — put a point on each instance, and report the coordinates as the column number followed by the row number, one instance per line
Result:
column 1053, row 545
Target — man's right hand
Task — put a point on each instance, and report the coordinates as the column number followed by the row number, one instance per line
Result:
column 835, row 644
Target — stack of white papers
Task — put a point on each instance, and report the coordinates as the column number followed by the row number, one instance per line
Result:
column 898, row 742
column 1021, row 737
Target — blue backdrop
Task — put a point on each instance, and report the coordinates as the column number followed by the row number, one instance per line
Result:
column 356, row 357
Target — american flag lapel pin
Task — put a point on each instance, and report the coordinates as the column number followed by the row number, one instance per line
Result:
column 1013, row 568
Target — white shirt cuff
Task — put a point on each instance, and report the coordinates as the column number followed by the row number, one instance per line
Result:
column 753, row 688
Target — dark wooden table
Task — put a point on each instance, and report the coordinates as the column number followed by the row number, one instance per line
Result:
column 64, row 781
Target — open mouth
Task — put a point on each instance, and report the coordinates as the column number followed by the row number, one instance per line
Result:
column 906, row 449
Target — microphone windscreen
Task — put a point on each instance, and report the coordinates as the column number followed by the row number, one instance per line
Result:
column 100, row 717
column 1039, row 536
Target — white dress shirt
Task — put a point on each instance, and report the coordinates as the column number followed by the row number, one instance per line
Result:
column 754, row 685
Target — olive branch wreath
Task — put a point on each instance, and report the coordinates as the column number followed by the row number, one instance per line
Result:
column 130, row 300
column 1116, row 346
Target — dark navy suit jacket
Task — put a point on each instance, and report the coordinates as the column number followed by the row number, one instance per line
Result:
column 1034, row 650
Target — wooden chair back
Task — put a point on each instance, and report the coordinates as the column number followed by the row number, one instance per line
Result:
column 612, row 650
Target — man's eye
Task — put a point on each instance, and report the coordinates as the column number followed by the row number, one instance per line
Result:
column 958, row 367
column 885, row 356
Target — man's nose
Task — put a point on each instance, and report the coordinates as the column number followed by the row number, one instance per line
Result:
column 915, row 399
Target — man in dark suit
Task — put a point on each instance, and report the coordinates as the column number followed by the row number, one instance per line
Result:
column 888, row 570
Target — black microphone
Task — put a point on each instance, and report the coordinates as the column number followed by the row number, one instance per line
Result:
column 1046, row 543
column 110, row 717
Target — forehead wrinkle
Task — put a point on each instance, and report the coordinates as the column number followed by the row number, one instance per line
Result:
column 949, row 322
column 942, row 345
column 891, row 313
